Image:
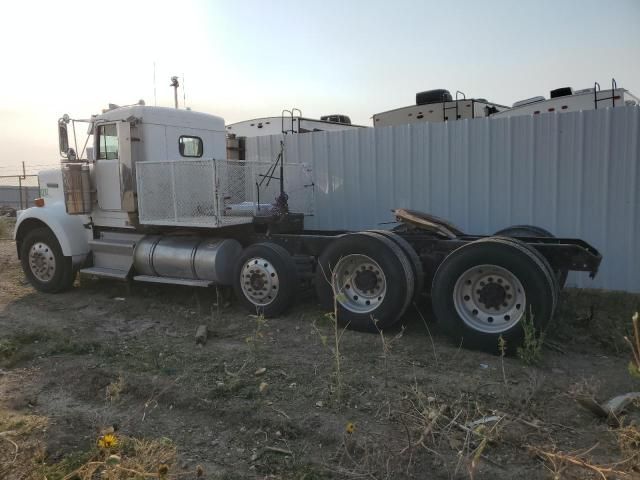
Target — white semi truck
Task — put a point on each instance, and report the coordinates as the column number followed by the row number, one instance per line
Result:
column 152, row 197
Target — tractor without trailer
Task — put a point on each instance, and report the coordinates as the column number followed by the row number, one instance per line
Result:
column 152, row 197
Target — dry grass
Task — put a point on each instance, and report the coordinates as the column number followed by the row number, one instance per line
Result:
column 634, row 344
column 20, row 443
column 114, row 389
column 22, row 453
column 336, row 386
column 629, row 443
column 4, row 228
column 457, row 434
column 577, row 464
column 129, row 458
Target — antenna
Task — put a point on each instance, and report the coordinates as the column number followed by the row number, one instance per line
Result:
column 184, row 93
column 155, row 97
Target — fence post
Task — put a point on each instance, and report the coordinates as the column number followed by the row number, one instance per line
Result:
column 20, row 191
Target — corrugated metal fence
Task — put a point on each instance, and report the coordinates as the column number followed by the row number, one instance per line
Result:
column 575, row 174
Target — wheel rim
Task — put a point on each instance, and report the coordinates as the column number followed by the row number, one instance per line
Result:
column 489, row 298
column 42, row 262
column 259, row 281
column 359, row 283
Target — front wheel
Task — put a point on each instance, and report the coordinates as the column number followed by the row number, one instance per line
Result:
column 486, row 289
column 43, row 263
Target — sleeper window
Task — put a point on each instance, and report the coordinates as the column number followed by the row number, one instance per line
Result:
column 190, row 146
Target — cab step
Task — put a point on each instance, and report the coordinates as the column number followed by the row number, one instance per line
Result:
column 102, row 272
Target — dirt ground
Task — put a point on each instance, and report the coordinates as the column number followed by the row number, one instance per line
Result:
column 265, row 399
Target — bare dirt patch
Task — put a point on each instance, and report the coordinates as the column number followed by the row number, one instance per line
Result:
column 262, row 399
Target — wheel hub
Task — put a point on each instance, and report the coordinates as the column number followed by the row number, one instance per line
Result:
column 489, row 298
column 42, row 262
column 365, row 280
column 359, row 283
column 492, row 295
column 259, row 281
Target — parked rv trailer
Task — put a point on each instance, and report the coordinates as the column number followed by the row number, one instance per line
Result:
column 440, row 106
column 259, row 127
column 156, row 200
column 437, row 106
column 563, row 100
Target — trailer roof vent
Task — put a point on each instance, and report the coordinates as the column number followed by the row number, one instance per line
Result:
column 433, row 96
column 527, row 101
column 561, row 92
column 336, row 118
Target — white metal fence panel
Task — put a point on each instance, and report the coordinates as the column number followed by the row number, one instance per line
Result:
column 575, row 174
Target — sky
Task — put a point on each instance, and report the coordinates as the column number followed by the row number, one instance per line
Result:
column 250, row 58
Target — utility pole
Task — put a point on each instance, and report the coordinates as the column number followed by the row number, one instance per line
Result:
column 175, row 84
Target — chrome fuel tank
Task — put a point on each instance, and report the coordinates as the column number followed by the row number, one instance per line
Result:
column 195, row 258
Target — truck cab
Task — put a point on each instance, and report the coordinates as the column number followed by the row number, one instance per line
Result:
column 96, row 187
column 124, row 136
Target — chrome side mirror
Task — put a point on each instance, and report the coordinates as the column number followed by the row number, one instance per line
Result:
column 63, row 135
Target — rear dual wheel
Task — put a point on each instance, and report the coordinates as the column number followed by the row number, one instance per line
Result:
column 367, row 278
column 412, row 256
column 484, row 290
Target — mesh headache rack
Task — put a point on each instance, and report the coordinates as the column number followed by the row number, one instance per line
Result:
column 217, row 193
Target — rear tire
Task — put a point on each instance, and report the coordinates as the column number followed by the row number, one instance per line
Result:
column 416, row 263
column 516, row 231
column 265, row 279
column 43, row 262
column 532, row 251
column 484, row 289
column 371, row 277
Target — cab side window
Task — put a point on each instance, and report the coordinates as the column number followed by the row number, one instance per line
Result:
column 190, row 146
column 107, row 142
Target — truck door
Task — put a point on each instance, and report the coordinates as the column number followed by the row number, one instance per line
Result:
column 112, row 146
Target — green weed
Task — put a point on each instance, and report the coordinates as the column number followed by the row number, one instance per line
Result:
column 531, row 350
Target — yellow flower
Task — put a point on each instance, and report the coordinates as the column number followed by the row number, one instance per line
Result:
column 108, row 441
column 351, row 427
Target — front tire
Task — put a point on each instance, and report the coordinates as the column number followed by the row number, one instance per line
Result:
column 43, row 262
column 483, row 290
